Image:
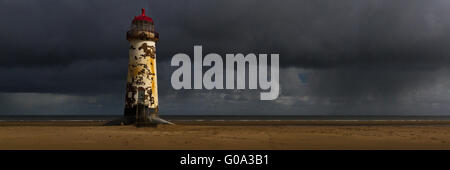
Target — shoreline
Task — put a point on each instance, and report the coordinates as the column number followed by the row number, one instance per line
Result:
column 243, row 123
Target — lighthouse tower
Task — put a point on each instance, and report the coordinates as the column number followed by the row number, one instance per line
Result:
column 141, row 103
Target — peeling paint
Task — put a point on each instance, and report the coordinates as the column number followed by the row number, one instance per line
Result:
column 142, row 76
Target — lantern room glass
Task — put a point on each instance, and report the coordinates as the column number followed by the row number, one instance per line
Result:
column 142, row 26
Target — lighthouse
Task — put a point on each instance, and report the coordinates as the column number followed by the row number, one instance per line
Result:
column 141, row 98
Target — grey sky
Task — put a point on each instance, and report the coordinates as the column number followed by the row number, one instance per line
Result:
column 362, row 57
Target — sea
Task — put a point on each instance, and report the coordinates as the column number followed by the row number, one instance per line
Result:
column 230, row 118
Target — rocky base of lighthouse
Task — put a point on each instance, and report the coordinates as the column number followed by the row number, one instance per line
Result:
column 141, row 116
column 151, row 122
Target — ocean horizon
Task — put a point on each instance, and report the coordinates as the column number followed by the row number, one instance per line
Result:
column 13, row 118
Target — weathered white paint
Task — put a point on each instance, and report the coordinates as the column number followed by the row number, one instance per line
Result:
column 142, row 67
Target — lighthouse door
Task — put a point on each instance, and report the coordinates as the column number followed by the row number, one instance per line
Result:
column 141, row 96
column 141, row 108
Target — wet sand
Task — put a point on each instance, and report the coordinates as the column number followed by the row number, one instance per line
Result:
column 229, row 135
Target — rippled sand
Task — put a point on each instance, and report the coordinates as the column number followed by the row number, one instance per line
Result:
column 227, row 135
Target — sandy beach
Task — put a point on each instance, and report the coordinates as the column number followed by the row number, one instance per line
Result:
column 228, row 135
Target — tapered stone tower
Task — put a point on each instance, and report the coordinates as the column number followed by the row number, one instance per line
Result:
column 141, row 103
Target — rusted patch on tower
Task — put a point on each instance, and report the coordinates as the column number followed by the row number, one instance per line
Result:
column 149, row 50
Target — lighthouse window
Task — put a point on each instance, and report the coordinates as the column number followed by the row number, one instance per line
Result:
column 141, row 25
column 145, row 26
column 141, row 96
column 138, row 25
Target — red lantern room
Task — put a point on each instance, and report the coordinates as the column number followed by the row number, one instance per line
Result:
column 142, row 28
column 142, row 17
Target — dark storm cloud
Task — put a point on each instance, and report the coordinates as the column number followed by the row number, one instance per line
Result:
column 365, row 48
column 81, row 77
column 49, row 33
column 357, row 51
column 315, row 34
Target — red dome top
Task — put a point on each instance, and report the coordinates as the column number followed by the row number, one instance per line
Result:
column 142, row 17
